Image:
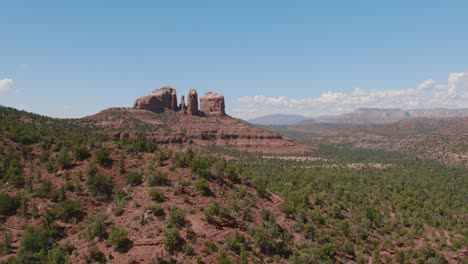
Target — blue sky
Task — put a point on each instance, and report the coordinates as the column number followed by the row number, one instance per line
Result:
column 74, row 58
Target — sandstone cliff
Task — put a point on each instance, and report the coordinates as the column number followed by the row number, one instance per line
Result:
column 212, row 104
column 192, row 103
column 158, row 100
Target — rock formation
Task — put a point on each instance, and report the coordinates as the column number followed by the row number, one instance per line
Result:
column 174, row 100
column 212, row 104
column 182, row 106
column 175, row 127
column 192, row 103
column 158, row 100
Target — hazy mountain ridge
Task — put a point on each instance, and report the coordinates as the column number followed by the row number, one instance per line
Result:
column 277, row 119
column 362, row 116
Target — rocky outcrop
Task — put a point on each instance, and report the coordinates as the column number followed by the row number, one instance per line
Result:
column 192, row 103
column 158, row 100
column 177, row 128
column 212, row 104
column 174, row 100
column 182, row 106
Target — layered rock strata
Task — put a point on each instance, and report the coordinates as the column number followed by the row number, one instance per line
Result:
column 192, row 103
column 159, row 99
column 212, row 104
column 166, row 98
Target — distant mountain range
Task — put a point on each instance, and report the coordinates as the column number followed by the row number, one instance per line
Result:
column 362, row 116
column 278, row 120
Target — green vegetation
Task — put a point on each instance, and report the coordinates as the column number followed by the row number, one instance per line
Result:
column 96, row 227
column 5, row 245
column 157, row 195
column 158, row 178
column 172, row 240
column 119, row 239
column 176, row 218
column 81, row 153
column 101, row 186
column 67, row 211
column 343, row 204
column 338, row 206
column 8, row 204
column 36, row 243
column 216, row 210
column 133, row 178
column 102, row 156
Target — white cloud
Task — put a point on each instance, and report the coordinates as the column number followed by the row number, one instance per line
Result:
column 6, row 86
column 428, row 94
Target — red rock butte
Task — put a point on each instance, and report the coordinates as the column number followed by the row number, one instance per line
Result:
column 211, row 104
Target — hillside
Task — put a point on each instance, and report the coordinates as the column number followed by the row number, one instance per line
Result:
column 72, row 190
column 172, row 127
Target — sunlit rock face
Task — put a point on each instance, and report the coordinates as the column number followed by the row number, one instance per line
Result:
column 192, row 102
column 212, row 104
column 159, row 99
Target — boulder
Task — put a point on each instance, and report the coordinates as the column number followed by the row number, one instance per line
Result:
column 212, row 104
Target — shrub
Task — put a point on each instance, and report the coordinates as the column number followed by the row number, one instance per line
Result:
column 63, row 159
column 25, row 133
column 201, row 166
column 119, row 239
column 118, row 210
column 176, row 218
column 211, row 211
column 326, row 251
column 222, row 259
column 264, row 241
column 5, row 246
column 15, row 173
column 94, row 255
column 102, row 156
column 57, row 256
column 35, row 243
column 50, row 167
column 133, row 178
column 158, row 178
column 96, row 227
column 47, row 190
column 202, row 186
column 237, row 243
column 309, row 231
column 172, row 240
column 163, row 155
column 8, row 204
column 156, row 195
column 68, row 211
column 183, row 160
column 156, row 210
column 215, row 209
column 144, row 146
column 80, row 153
column 101, row 186
column 92, row 170
column 267, row 215
column 209, row 247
